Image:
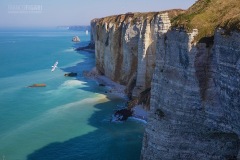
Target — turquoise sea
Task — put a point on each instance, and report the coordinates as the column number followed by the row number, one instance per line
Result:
column 69, row 119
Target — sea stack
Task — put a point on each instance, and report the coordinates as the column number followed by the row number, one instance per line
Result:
column 76, row 39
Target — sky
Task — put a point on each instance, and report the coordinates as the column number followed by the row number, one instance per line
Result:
column 47, row 13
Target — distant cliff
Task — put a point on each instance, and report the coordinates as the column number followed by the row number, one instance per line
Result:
column 192, row 66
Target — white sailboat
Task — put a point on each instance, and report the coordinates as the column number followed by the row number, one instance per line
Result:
column 86, row 32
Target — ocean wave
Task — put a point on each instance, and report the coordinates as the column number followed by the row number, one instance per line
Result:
column 67, row 85
column 84, row 102
column 72, row 83
column 138, row 119
column 4, row 42
column 69, row 50
column 51, row 115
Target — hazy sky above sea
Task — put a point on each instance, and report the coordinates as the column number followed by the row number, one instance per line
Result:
column 22, row 13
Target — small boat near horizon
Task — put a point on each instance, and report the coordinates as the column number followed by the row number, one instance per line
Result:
column 86, row 32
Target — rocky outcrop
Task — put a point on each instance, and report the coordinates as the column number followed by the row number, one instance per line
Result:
column 71, row 74
column 195, row 103
column 76, row 39
column 38, row 85
column 89, row 47
column 121, row 115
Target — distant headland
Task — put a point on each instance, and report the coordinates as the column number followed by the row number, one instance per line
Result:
column 75, row 27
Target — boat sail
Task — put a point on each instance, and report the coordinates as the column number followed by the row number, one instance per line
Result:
column 86, row 32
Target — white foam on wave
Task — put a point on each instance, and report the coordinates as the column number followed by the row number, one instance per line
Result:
column 52, row 115
column 138, row 119
column 72, row 83
column 69, row 50
column 87, row 101
column 67, row 85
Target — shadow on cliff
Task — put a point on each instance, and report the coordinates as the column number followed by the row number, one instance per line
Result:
column 108, row 140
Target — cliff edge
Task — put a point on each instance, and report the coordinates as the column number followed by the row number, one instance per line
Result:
column 190, row 63
column 125, row 47
column 195, row 96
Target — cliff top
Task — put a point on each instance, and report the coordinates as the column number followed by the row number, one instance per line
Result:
column 135, row 16
column 204, row 15
column 207, row 15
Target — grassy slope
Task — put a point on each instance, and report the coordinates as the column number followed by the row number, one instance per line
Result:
column 207, row 15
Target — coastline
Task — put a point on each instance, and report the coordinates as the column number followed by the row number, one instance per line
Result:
column 89, row 48
column 115, row 89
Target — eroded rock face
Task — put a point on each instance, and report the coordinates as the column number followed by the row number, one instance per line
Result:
column 195, row 88
column 195, row 102
column 126, row 46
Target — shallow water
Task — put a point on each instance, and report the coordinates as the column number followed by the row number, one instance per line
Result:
column 68, row 119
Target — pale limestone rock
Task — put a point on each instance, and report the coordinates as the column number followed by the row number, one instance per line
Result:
column 195, row 102
column 124, row 47
column 147, row 49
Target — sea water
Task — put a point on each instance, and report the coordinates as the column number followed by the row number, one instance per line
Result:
column 69, row 119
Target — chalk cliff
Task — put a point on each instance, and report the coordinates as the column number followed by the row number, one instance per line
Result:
column 193, row 69
column 195, row 96
column 195, row 103
column 126, row 46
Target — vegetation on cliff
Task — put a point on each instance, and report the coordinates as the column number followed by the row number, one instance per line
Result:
column 207, row 15
column 114, row 19
column 204, row 15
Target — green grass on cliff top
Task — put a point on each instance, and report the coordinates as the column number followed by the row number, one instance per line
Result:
column 204, row 15
column 115, row 19
column 207, row 15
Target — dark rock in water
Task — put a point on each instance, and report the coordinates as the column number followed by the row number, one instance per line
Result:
column 70, row 74
column 122, row 115
column 38, row 85
column 90, row 46
column 103, row 85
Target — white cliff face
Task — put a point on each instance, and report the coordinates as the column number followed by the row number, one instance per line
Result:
column 126, row 47
column 194, row 112
column 147, row 50
column 195, row 87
